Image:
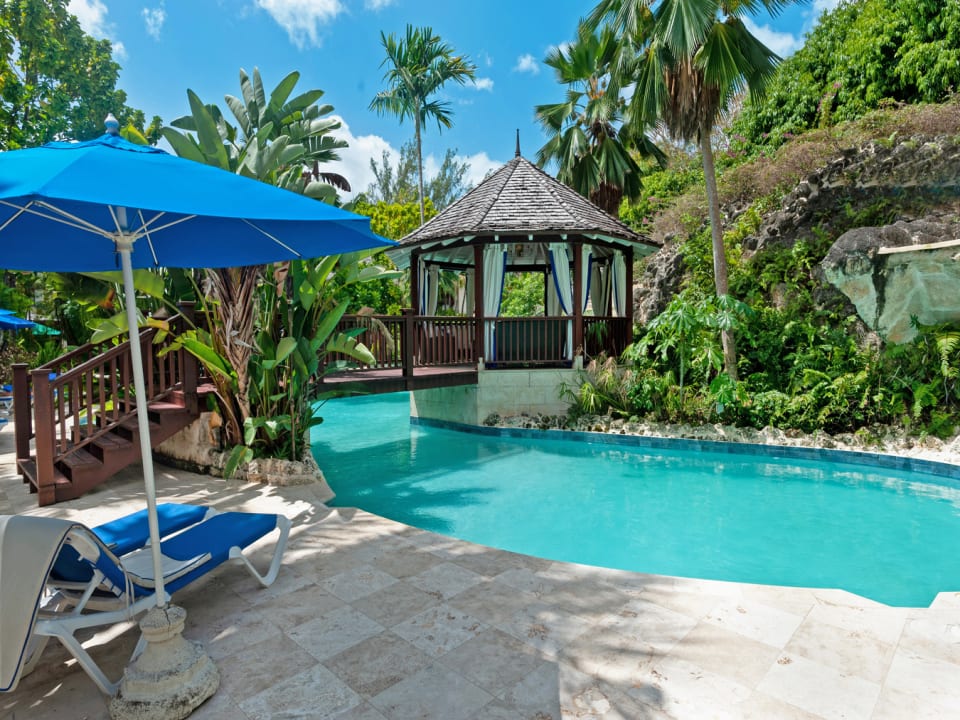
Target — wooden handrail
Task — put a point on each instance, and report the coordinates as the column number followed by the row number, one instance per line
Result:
column 81, row 397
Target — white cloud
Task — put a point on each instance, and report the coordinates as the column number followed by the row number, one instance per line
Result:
column 527, row 64
column 480, row 166
column 153, row 19
column 485, row 58
column 302, row 19
column 92, row 16
column 820, row 6
column 783, row 44
column 354, row 163
column 377, row 4
column 484, row 84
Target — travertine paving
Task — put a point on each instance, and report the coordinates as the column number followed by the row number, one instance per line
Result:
column 373, row 620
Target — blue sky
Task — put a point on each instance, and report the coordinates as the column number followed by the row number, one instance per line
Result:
column 168, row 46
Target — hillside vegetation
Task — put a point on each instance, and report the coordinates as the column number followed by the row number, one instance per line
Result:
column 872, row 72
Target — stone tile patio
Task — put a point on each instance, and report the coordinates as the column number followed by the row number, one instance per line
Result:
column 373, row 620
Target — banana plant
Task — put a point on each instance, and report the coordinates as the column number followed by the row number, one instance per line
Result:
column 301, row 303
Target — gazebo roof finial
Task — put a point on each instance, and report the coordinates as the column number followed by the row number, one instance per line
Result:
column 517, row 154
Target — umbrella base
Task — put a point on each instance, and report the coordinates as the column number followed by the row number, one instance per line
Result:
column 170, row 678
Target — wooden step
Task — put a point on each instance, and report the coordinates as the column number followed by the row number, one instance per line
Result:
column 51, row 494
column 111, row 448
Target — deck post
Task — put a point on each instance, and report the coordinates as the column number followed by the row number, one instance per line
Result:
column 578, row 345
column 415, row 283
column 628, row 310
column 409, row 326
column 478, row 281
column 43, row 413
column 189, row 365
column 22, row 417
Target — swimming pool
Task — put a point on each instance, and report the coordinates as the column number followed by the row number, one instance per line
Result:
column 887, row 534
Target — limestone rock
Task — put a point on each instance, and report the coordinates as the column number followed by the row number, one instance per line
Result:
column 890, row 288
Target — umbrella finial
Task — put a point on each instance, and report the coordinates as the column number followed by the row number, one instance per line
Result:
column 111, row 124
column 518, row 143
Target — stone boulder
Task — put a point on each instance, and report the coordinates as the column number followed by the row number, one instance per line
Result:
column 896, row 272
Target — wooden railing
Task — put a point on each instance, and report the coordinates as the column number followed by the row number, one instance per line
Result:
column 86, row 393
column 409, row 341
column 609, row 335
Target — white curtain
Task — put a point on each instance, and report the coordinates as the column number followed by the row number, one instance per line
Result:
column 600, row 289
column 465, row 302
column 560, row 265
column 619, row 285
column 422, row 277
column 587, row 262
column 494, row 270
column 433, row 287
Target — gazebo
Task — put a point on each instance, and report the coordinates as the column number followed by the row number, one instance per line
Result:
column 519, row 219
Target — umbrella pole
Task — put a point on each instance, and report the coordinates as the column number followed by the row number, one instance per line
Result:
column 125, row 248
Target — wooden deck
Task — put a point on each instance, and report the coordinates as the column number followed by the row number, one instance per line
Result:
column 421, row 352
column 379, row 380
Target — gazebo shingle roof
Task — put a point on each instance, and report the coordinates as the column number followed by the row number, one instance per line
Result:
column 521, row 199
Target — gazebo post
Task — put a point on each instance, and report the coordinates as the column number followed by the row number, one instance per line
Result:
column 415, row 282
column 628, row 310
column 478, row 283
column 578, row 302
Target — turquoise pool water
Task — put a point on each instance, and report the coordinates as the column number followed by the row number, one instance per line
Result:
column 888, row 535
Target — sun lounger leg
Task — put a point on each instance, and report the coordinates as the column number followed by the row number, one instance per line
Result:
column 236, row 554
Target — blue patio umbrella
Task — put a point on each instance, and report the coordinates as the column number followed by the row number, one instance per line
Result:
column 9, row 321
column 95, row 205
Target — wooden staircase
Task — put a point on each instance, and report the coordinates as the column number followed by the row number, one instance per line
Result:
column 83, row 420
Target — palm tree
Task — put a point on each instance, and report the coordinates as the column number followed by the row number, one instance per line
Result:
column 687, row 59
column 588, row 139
column 418, row 66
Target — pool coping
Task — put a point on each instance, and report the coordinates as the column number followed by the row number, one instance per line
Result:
column 948, row 471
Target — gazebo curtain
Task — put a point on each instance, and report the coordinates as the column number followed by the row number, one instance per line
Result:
column 600, row 289
column 433, row 289
column 619, row 285
column 562, row 291
column 494, row 270
column 429, row 276
column 465, row 293
column 585, row 266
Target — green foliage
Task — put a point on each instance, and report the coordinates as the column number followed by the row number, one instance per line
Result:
column 860, row 55
column 523, row 294
column 278, row 139
column 660, row 186
column 55, row 80
column 397, row 185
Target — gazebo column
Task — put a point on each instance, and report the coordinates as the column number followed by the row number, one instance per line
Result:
column 415, row 282
column 628, row 310
column 578, row 300
column 478, row 285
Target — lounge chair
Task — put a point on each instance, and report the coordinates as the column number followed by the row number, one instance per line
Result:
column 36, row 604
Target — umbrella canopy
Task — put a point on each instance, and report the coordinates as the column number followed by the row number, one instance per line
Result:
column 84, row 206
column 180, row 213
column 9, row 321
column 40, row 329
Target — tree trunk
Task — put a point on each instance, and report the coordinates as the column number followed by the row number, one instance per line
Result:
column 416, row 124
column 231, row 294
column 719, row 253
